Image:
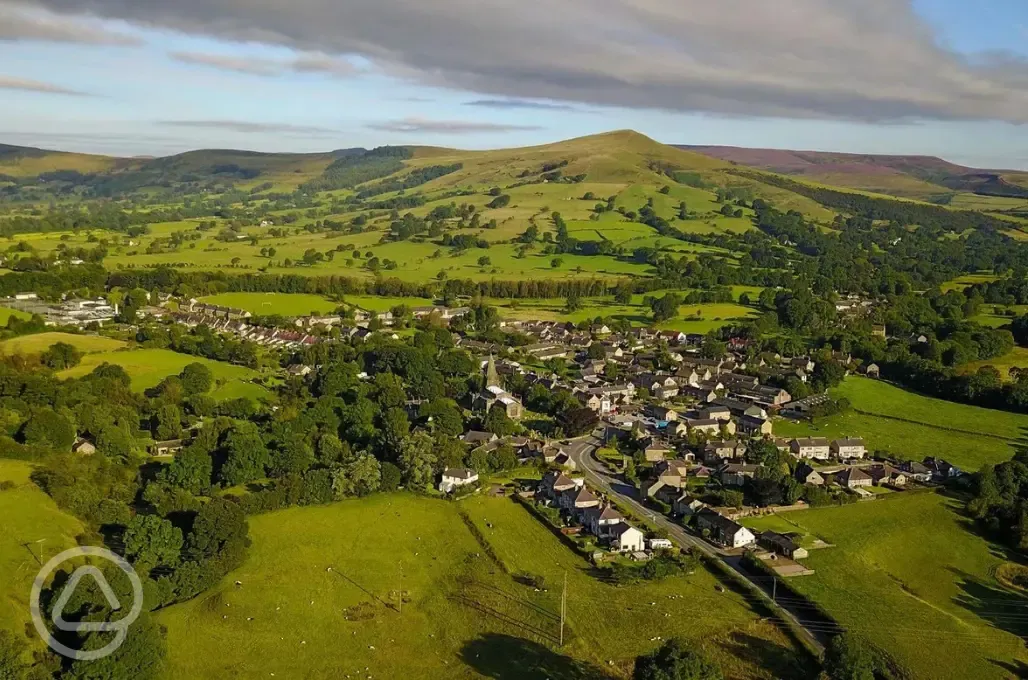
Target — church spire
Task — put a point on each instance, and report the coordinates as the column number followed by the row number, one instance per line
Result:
column 492, row 377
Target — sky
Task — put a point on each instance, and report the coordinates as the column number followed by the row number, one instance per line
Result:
column 127, row 77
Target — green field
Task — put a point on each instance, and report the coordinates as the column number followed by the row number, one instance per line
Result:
column 147, row 367
column 298, row 304
column 40, row 342
column 962, row 282
column 6, row 314
column 962, row 444
column 1018, row 358
column 906, row 572
column 462, row 616
column 29, row 515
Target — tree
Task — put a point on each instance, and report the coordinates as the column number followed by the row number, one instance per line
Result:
column 444, row 415
column 46, row 427
column 573, row 303
column 392, row 477
column 360, row 477
column 417, row 460
column 196, row 378
column 152, row 541
column 61, row 356
column 247, row 456
column 674, row 661
column 578, row 421
column 484, row 261
column 665, row 308
column 12, row 650
column 497, row 421
column 556, row 262
column 849, row 657
column 114, row 441
column 140, row 657
column 395, row 428
column 167, row 422
column 218, row 530
column 191, row 470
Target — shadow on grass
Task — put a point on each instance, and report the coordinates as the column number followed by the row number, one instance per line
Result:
column 780, row 661
column 1002, row 607
column 505, row 657
column 1017, row 669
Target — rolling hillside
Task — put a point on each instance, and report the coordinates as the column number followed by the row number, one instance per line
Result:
column 923, row 177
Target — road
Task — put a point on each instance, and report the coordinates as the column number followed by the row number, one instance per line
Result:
column 599, row 477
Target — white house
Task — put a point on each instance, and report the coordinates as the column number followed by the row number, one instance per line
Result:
column 626, row 538
column 724, row 531
column 454, row 478
column 848, row 448
column 810, row 447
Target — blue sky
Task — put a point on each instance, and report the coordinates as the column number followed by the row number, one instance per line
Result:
column 937, row 77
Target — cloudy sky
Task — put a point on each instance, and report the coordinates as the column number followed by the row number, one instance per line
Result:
column 127, row 77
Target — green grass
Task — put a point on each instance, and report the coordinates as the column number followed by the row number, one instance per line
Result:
column 906, row 572
column 29, row 515
column 462, row 617
column 1017, row 358
column 286, row 304
column 962, row 282
column 147, row 367
column 40, row 342
column 966, row 448
column 6, row 314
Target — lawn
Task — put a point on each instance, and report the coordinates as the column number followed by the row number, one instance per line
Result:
column 286, row 304
column 964, row 445
column 319, row 598
column 147, row 367
column 40, row 342
column 906, row 572
column 29, row 515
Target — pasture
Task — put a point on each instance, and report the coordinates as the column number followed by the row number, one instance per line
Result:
column 912, row 426
column 907, row 572
column 40, row 342
column 397, row 586
column 285, row 304
column 31, row 522
column 6, row 314
column 147, row 367
column 1017, row 358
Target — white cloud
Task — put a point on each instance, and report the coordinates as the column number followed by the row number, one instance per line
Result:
column 867, row 60
column 11, row 83
column 451, row 127
column 19, row 23
column 256, row 66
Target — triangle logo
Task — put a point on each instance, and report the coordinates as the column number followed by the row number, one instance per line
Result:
column 69, row 589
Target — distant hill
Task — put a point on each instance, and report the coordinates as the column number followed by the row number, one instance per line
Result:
column 922, row 177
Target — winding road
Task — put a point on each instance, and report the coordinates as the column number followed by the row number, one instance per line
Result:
column 599, row 477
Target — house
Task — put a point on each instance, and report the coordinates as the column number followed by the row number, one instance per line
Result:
column 873, row 371
column 710, row 426
column 722, row 413
column 655, row 450
column 716, row 451
column 754, row 426
column 853, row 477
column 781, row 544
column 299, row 370
column 686, row 505
column 805, row 474
column 886, row 474
column 626, row 538
column 916, row 471
column 663, row 414
column 940, row 469
column 578, row 498
column 810, row 447
column 601, row 520
column 83, row 446
column 722, row 530
column 564, row 460
column 454, row 478
column 554, row 483
column 878, row 331
column 477, row 438
column 847, row 448
column 740, row 408
column 167, row 447
column 736, row 474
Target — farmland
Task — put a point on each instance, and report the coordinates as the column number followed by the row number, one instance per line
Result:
column 274, row 303
column 892, row 579
column 1017, row 358
column 147, row 367
column 913, row 426
column 40, row 342
column 462, row 616
column 6, row 314
column 31, row 523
